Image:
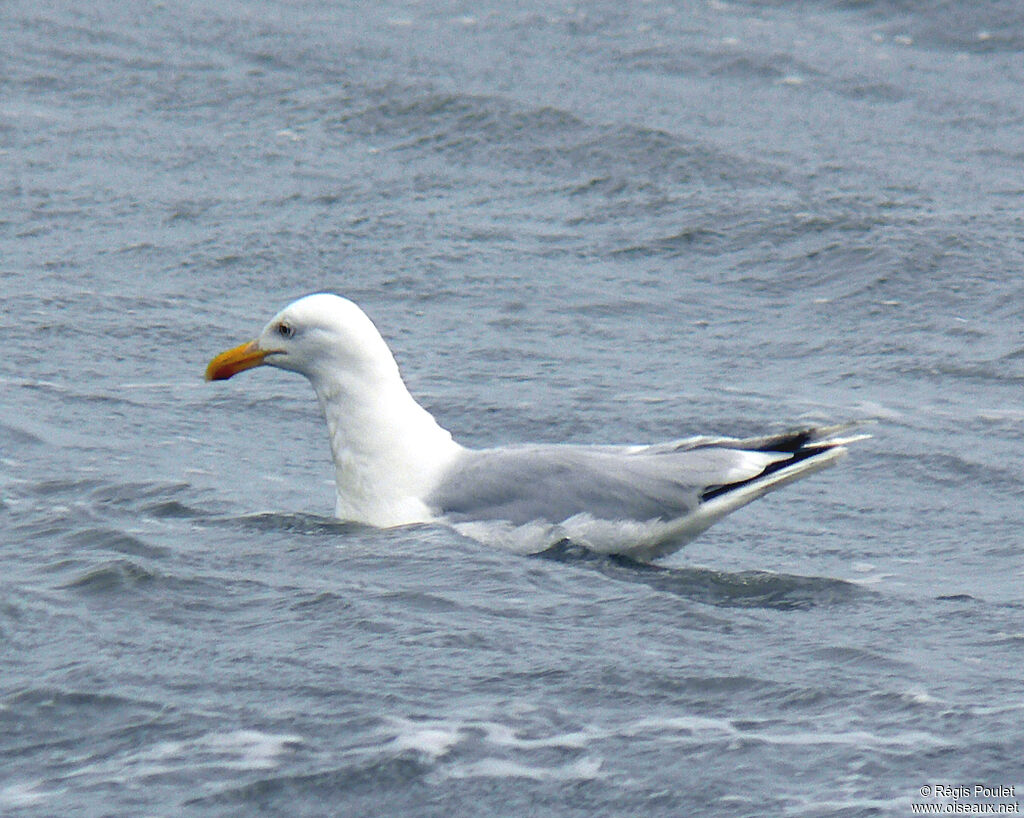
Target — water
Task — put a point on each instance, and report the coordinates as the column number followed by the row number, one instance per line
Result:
column 600, row 223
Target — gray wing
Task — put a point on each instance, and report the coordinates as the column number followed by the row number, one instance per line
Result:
column 522, row 484
column 554, row 483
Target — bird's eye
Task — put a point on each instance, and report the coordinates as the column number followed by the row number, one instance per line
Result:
column 285, row 330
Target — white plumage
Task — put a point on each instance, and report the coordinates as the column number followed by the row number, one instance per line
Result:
column 395, row 465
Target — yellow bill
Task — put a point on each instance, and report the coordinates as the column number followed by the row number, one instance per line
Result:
column 234, row 361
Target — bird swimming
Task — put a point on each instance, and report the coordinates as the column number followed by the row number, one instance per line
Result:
column 395, row 465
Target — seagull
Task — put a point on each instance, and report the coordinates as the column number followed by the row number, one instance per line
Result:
column 395, row 465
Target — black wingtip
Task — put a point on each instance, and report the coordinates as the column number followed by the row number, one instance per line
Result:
column 798, row 453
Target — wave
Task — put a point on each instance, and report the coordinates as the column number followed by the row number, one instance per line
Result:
column 744, row 589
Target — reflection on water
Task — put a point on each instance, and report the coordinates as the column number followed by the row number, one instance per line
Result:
column 745, row 589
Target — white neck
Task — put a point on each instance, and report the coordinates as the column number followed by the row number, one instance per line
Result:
column 388, row 450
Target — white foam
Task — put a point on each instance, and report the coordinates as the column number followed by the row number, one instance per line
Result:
column 872, row 579
column 505, row 736
column 688, row 725
column 913, row 739
column 432, row 741
column 251, row 749
column 486, row 748
column 701, row 729
column 583, row 769
column 919, row 695
column 436, row 738
column 22, row 794
column 235, row 750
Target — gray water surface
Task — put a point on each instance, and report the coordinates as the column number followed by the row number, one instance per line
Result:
column 602, row 223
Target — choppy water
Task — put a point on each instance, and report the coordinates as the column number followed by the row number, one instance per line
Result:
column 602, row 223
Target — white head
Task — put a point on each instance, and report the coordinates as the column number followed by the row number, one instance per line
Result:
column 322, row 336
column 388, row 450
